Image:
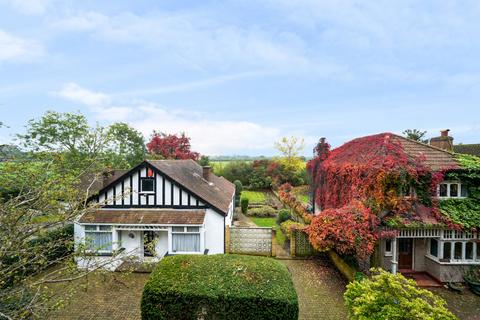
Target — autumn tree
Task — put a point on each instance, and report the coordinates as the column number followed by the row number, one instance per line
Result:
column 290, row 149
column 171, row 146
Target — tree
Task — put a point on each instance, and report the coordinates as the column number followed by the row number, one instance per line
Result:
column 38, row 202
column 204, row 161
column 126, row 144
column 388, row 296
column 416, row 135
column 290, row 149
column 171, row 146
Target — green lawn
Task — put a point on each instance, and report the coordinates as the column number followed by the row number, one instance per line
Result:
column 256, row 197
column 270, row 222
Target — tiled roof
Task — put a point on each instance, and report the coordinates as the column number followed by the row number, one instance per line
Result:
column 472, row 149
column 144, row 216
column 365, row 149
column 218, row 191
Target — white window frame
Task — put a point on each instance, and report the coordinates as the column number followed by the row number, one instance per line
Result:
column 99, row 229
column 141, row 185
column 463, row 259
column 388, row 253
column 449, row 183
column 185, row 231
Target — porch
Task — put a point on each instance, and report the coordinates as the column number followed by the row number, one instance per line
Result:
column 431, row 256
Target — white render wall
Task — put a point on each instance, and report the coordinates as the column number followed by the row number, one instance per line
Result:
column 214, row 232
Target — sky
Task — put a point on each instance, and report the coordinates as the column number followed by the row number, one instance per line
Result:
column 236, row 76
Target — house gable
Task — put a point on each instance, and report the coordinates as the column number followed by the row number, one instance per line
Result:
column 126, row 191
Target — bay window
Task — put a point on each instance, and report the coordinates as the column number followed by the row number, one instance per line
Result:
column 186, row 239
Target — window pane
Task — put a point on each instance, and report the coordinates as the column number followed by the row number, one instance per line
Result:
column 434, row 247
column 457, row 254
column 469, row 251
column 88, row 228
column 388, row 245
column 193, row 229
column 147, row 185
column 478, row 251
column 447, row 253
column 454, row 190
column 99, row 241
column 463, row 190
column 186, row 242
column 105, row 228
column 178, row 229
column 443, row 190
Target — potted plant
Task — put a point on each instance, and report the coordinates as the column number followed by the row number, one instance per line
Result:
column 472, row 277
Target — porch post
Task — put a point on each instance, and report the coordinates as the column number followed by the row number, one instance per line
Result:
column 115, row 244
column 394, row 256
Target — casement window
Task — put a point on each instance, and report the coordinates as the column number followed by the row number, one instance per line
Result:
column 463, row 251
column 186, row 239
column 147, row 185
column 388, row 247
column 434, row 247
column 452, row 190
column 98, row 238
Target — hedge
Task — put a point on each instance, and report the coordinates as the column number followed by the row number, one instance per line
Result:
column 219, row 287
column 263, row 211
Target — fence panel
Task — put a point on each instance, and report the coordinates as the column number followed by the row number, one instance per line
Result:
column 247, row 240
column 300, row 245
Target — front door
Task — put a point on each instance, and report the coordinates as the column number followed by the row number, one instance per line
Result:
column 405, row 253
column 148, row 243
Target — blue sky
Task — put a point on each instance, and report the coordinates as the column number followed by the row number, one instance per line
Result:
column 238, row 75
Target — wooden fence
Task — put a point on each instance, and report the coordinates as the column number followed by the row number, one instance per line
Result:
column 300, row 246
column 249, row 240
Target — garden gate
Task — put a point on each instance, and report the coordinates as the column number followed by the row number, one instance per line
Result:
column 249, row 240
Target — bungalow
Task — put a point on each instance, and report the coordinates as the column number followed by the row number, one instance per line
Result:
column 157, row 208
column 426, row 238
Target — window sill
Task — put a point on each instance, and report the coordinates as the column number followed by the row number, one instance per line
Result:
column 388, row 254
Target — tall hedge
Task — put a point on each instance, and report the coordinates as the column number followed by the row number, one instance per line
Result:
column 219, row 287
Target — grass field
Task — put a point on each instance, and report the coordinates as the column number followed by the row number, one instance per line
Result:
column 254, row 197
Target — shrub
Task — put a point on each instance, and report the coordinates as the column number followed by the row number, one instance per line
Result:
column 283, row 215
column 263, row 211
column 244, row 205
column 219, row 287
column 289, row 225
column 388, row 296
column 238, row 191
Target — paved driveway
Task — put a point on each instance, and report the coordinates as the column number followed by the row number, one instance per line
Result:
column 319, row 288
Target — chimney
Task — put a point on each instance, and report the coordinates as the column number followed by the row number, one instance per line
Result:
column 444, row 142
column 207, row 171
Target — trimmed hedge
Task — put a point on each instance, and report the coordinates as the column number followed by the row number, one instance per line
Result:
column 263, row 211
column 219, row 287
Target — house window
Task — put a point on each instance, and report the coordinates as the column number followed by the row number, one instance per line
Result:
column 98, row 238
column 469, row 250
column 147, row 185
column 457, row 252
column 447, row 250
column 186, row 239
column 434, row 247
column 452, row 190
column 388, row 247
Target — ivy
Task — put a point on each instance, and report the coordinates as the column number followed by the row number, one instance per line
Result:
column 465, row 212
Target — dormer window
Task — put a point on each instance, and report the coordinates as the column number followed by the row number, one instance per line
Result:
column 452, row 190
column 147, row 185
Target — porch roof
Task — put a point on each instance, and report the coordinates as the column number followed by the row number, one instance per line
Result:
column 144, row 216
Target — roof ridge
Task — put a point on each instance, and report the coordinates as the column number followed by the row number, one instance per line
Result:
column 424, row 144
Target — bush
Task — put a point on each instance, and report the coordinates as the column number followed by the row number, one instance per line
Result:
column 283, row 215
column 289, row 225
column 238, row 191
column 219, row 287
column 388, row 296
column 244, row 205
column 263, row 211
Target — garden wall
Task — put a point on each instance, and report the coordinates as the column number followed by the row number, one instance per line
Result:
column 249, row 240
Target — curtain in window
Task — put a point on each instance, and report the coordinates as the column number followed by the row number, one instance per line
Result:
column 99, row 241
column 186, row 242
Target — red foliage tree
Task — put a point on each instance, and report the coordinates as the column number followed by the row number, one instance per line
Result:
column 171, row 146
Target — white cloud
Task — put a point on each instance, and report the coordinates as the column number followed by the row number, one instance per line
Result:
column 195, row 40
column 29, row 7
column 76, row 93
column 208, row 136
column 13, row 48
